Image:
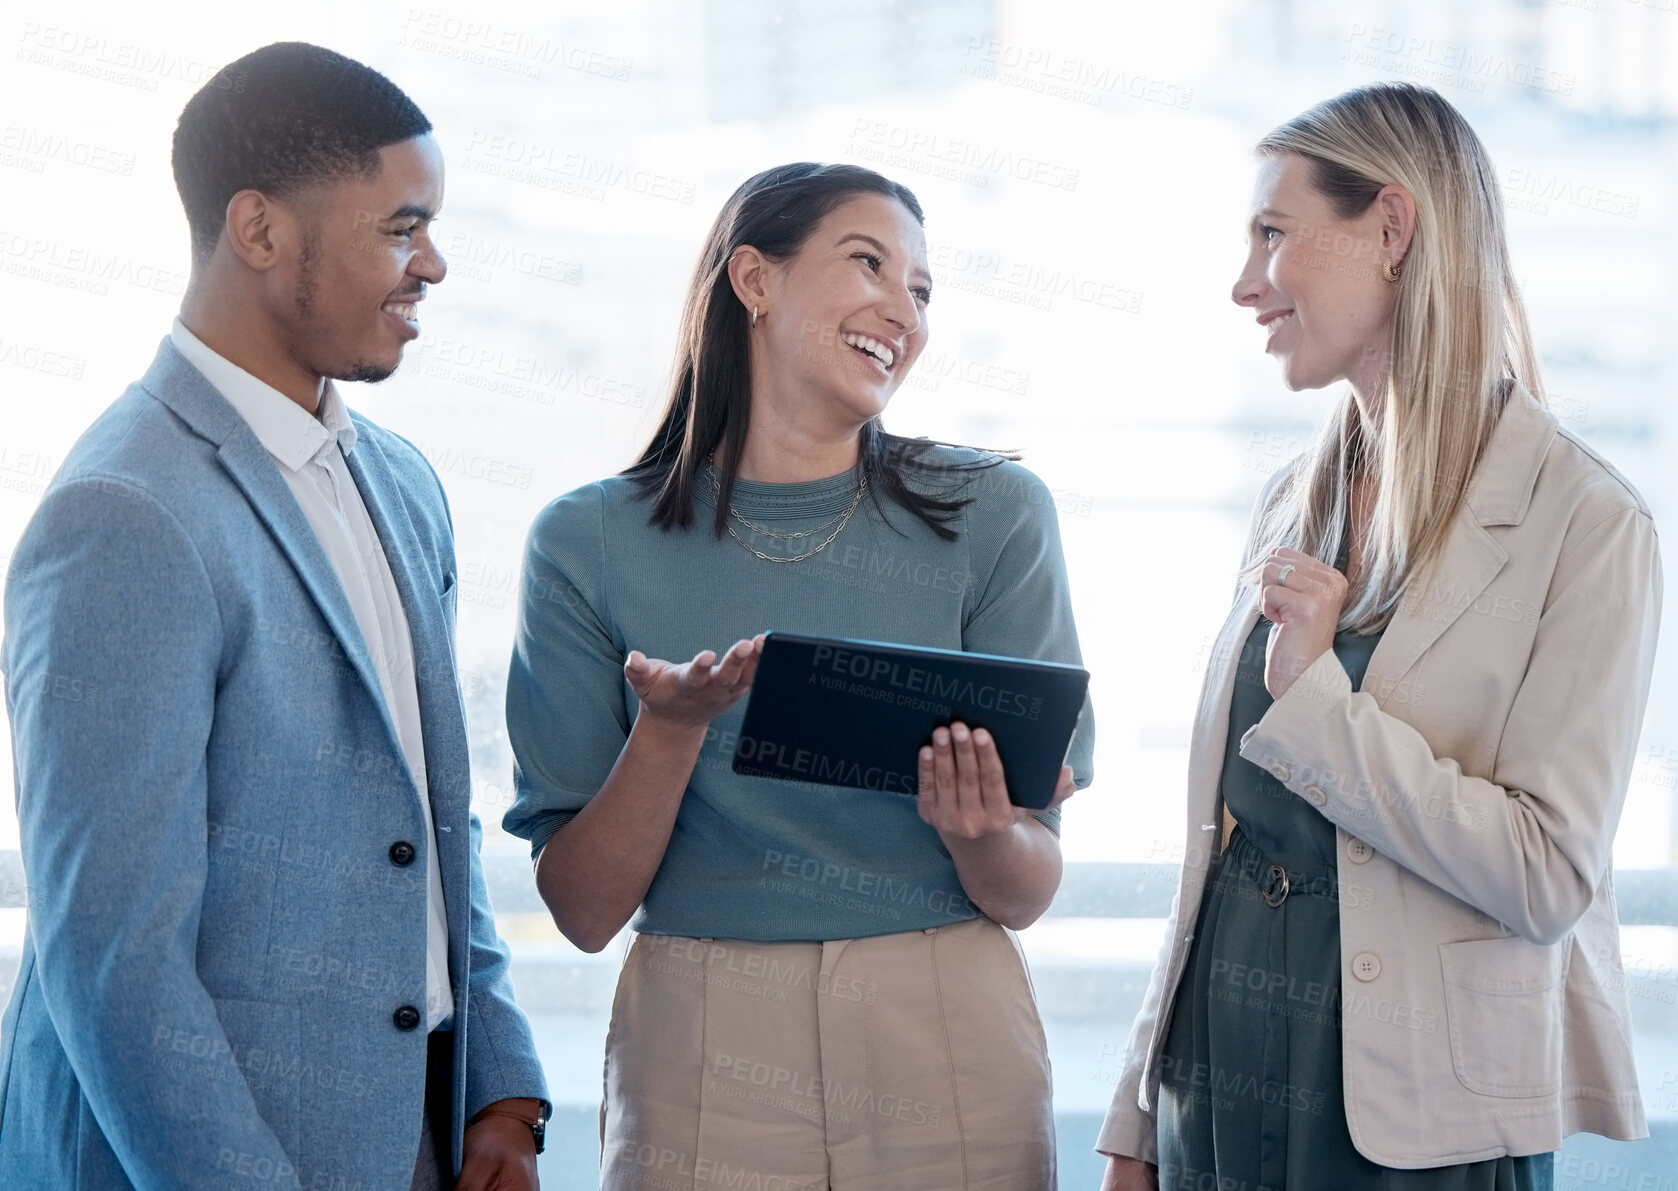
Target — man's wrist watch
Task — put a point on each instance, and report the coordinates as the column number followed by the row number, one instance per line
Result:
column 538, row 1128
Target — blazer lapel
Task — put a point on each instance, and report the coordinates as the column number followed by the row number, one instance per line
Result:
column 1498, row 494
column 196, row 401
column 1446, row 588
column 441, row 715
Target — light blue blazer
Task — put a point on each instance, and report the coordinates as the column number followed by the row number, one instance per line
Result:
column 224, row 941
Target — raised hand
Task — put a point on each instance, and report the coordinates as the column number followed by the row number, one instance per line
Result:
column 692, row 694
column 1303, row 598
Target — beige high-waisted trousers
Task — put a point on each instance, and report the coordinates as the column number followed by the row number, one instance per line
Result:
column 904, row 1062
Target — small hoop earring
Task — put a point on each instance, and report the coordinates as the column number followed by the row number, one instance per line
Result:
column 1389, row 270
column 754, row 316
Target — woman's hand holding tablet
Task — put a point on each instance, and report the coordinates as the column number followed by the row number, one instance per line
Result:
column 843, row 712
column 963, row 790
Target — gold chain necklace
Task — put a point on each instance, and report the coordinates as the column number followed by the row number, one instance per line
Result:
column 843, row 519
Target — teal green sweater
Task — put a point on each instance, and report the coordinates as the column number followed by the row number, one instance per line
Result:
column 750, row 857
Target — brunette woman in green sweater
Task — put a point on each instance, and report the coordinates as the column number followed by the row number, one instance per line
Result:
column 822, row 990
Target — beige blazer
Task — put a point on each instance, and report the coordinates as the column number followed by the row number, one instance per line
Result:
column 1476, row 781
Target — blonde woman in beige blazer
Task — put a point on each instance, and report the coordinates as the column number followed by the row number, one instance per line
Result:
column 1436, row 1001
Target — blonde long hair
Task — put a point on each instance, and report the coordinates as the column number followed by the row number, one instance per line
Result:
column 1459, row 338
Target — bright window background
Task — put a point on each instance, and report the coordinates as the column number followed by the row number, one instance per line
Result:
column 1085, row 171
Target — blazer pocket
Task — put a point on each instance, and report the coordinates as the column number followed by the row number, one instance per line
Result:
column 266, row 1041
column 1503, row 1010
column 449, row 596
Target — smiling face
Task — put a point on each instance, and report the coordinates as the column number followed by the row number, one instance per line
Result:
column 348, row 301
column 1315, row 280
column 846, row 314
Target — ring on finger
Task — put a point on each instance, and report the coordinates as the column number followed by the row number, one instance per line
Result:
column 1282, row 575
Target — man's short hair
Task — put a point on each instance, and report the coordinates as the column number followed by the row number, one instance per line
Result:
column 281, row 119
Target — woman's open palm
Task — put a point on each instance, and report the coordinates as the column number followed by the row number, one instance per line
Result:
column 693, row 693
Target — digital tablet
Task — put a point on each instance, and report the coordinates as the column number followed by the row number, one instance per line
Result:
column 856, row 713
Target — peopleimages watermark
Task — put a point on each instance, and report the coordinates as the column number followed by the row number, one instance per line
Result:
column 255, row 850
column 1061, row 76
column 875, row 567
column 478, row 258
column 490, row 469
column 513, row 374
column 488, row 583
column 225, row 1060
column 768, row 758
column 486, row 44
column 1581, row 1172
column 834, row 1093
column 744, row 968
column 1447, row 63
column 32, row 148
column 828, row 874
column 1024, row 283
column 1533, row 190
column 665, row 1169
column 962, row 159
column 97, row 56
column 835, row 667
column 928, row 370
column 81, row 267
column 934, row 367
column 551, row 167
column 1211, row 1083
column 32, row 358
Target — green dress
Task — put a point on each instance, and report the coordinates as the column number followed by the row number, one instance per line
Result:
column 1251, row 1097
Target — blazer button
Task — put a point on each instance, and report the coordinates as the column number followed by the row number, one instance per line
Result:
column 401, row 853
column 1358, row 852
column 1315, row 796
column 1280, row 772
column 406, row 1018
column 1366, row 965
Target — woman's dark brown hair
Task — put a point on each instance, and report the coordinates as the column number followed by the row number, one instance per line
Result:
column 709, row 410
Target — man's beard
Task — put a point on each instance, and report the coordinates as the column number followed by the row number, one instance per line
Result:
column 371, row 373
column 308, row 257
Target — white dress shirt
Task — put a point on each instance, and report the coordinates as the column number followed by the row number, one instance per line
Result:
column 310, row 452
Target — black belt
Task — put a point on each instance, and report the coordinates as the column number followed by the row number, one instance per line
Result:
column 1276, row 883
